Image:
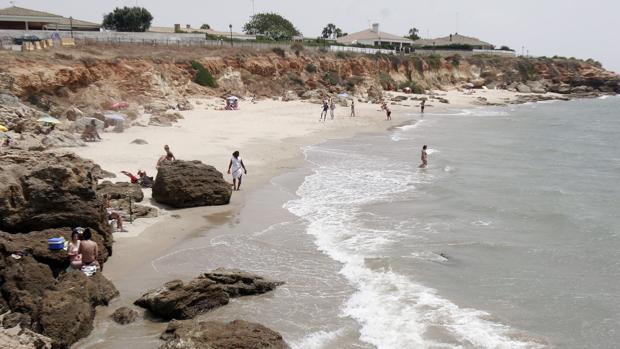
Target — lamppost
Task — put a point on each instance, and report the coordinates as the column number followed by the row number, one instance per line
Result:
column 231, row 41
column 71, row 25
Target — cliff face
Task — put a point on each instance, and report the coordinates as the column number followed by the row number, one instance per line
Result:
column 89, row 82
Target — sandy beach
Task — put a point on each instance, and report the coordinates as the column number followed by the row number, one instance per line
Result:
column 270, row 136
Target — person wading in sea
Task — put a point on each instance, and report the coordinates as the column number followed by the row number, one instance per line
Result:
column 238, row 169
column 424, row 158
column 422, row 106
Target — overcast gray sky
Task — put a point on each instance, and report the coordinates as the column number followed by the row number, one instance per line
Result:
column 584, row 29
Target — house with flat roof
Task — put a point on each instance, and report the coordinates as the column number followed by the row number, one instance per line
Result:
column 454, row 40
column 374, row 37
column 19, row 18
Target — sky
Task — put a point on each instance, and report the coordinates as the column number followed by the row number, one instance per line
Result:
column 571, row 28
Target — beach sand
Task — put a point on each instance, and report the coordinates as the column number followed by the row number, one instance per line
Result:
column 270, row 136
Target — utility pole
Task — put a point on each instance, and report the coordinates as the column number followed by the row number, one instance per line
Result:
column 71, row 25
column 231, row 40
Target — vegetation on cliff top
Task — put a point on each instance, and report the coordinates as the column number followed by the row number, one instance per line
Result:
column 203, row 77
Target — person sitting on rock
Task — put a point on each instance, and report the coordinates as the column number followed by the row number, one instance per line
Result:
column 74, row 246
column 144, row 180
column 89, row 250
column 168, row 157
column 90, row 133
column 113, row 214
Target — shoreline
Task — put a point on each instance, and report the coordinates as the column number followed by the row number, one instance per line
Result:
column 135, row 252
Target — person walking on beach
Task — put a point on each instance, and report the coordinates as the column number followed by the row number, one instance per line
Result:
column 238, row 169
column 388, row 112
column 324, row 112
column 352, row 107
column 332, row 107
column 422, row 106
column 424, row 157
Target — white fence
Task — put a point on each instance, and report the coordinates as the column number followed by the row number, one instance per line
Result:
column 371, row 51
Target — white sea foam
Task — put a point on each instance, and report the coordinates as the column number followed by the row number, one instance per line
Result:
column 393, row 310
column 317, row 340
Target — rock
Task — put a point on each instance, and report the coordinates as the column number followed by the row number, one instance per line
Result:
column 66, row 313
column 139, row 141
column 45, row 190
column 442, row 100
column 183, row 184
column 560, row 88
column 398, row 98
column 176, row 300
column 125, row 315
column 477, row 83
column 375, row 94
column 231, row 82
column 536, row 87
column 523, row 88
column 11, row 320
column 73, row 113
column 19, row 338
column 291, row 96
column 121, row 190
column 581, row 89
column 218, row 335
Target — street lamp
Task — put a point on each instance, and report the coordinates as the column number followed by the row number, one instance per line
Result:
column 231, row 41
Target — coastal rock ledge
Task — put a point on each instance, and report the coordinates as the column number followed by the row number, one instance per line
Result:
column 219, row 335
column 183, row 184
column 176, row 300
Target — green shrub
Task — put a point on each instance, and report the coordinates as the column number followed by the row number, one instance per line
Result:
column 311, row 68
column 332, row 78
column 352, row 82
column 297, row 48
column 434, row 61
column 455, row 60
column 280, row 52
column 386, row 81
column 296, row 79
column 418, row 63
column 203, row 77
column 415, row 88
column 343, row 55
column 526, row 69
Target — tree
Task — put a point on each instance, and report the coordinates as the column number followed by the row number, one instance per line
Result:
column 271, row 25
column 128, row 19
column 413, row 34
column 205, row 26
column 331, row 32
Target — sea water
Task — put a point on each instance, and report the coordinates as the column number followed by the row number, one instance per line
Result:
column 509, row 239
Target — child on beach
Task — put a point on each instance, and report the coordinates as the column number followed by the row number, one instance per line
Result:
column 332, row 108
column 388, row 112
column 352, row 107
column 168, row 157
column 424, row 157
column 238, row 169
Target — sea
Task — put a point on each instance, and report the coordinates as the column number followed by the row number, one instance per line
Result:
column 510, row 238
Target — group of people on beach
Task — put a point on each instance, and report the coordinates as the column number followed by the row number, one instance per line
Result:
column 82, row 251
column 329, row 105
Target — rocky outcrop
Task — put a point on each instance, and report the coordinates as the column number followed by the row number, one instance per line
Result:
column 21, row 338
column 121, row 190
column 45, row 190
column 183, row 184
column 125, row 315
column 62, row 309
column 177, row 300
column 220, row 335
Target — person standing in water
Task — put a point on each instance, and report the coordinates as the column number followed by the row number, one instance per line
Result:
column 238, row 169
column 424, row 157
column 422, row 106
column 352, row 107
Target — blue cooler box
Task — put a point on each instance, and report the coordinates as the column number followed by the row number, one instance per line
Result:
column 56, row 243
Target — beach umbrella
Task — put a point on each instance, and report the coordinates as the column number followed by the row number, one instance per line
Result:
column 3, row 128
column 49, row 120
column 343, row 95
column 115, row 117
column 234, row 98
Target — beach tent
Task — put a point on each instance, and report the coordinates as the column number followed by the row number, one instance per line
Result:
column 48, row 120
column 114, row 116
column 232, row 103
column 82, row 122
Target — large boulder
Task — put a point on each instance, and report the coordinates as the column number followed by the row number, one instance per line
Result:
column 375, row 93
column 523, row 88
column 21, row 338
column 183, row 184
column 45, row 190
column 176, row 300
column 124, row 315
column 220, row 335
column 121, row 190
